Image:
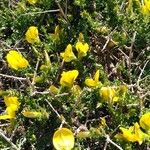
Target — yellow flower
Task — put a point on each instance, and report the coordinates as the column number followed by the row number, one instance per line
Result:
column 55, row 36
column 12, row 104
column 133, row 134
column 12, row 101
column 82, row 49
column 109, row 94
column 16, row 60
column 147, row 4
column 63, row 139
column 32, row 2
column 4, row 117
column 32, row 35
column 68, row 78
column 145, row 122
column 9, row 113
column 146, row 7
column 93, row 82
column 31, row 114
column 68, row 55
column 53, row 89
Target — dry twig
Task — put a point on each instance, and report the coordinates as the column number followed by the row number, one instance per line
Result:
column 8, row 140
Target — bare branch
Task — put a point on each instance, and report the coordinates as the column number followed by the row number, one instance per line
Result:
column 108, row 140
column 8, row 140
column 13, row 77
column 40, row 12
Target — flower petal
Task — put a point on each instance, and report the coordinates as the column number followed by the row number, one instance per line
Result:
column 63, row 139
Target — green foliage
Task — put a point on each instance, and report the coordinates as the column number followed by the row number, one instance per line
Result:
column 118, row 35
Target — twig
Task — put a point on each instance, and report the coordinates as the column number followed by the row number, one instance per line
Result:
column 42, row 93
column 139, row 78
column 4, row 125
column 108, row 39
column 59, row 116
column 139, row 88
column 35, row 72
column 105, row 146
column 66, row 7
column 8, row 148
column 32, row 87
column 61, row 10
column 62, row 123
column 48, row 92
column 104, row 47
column 132, row 105
column 13, row 77
column 8, row 140
column 122, row 5
column 41, row 12
column 145, row 78
column 126, row 56
column 17, row 48
column 60, row 69
column 131, row 55
column 108, row 140
column 144, row 95
column 21, row 142
column 60, row 95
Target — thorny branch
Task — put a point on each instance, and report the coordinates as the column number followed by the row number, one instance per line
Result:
column 108, row 140
column 130, row 54
column 41, row 12
column 13, row 77
column 58, row 115
column 61, row 10
column 8, row 140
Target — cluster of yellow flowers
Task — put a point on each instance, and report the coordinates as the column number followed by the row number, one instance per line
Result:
column 108, row 94
column 134, row 133
column 81, row 47
column 14, row 58
column 12, row 105
column 63, row 138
